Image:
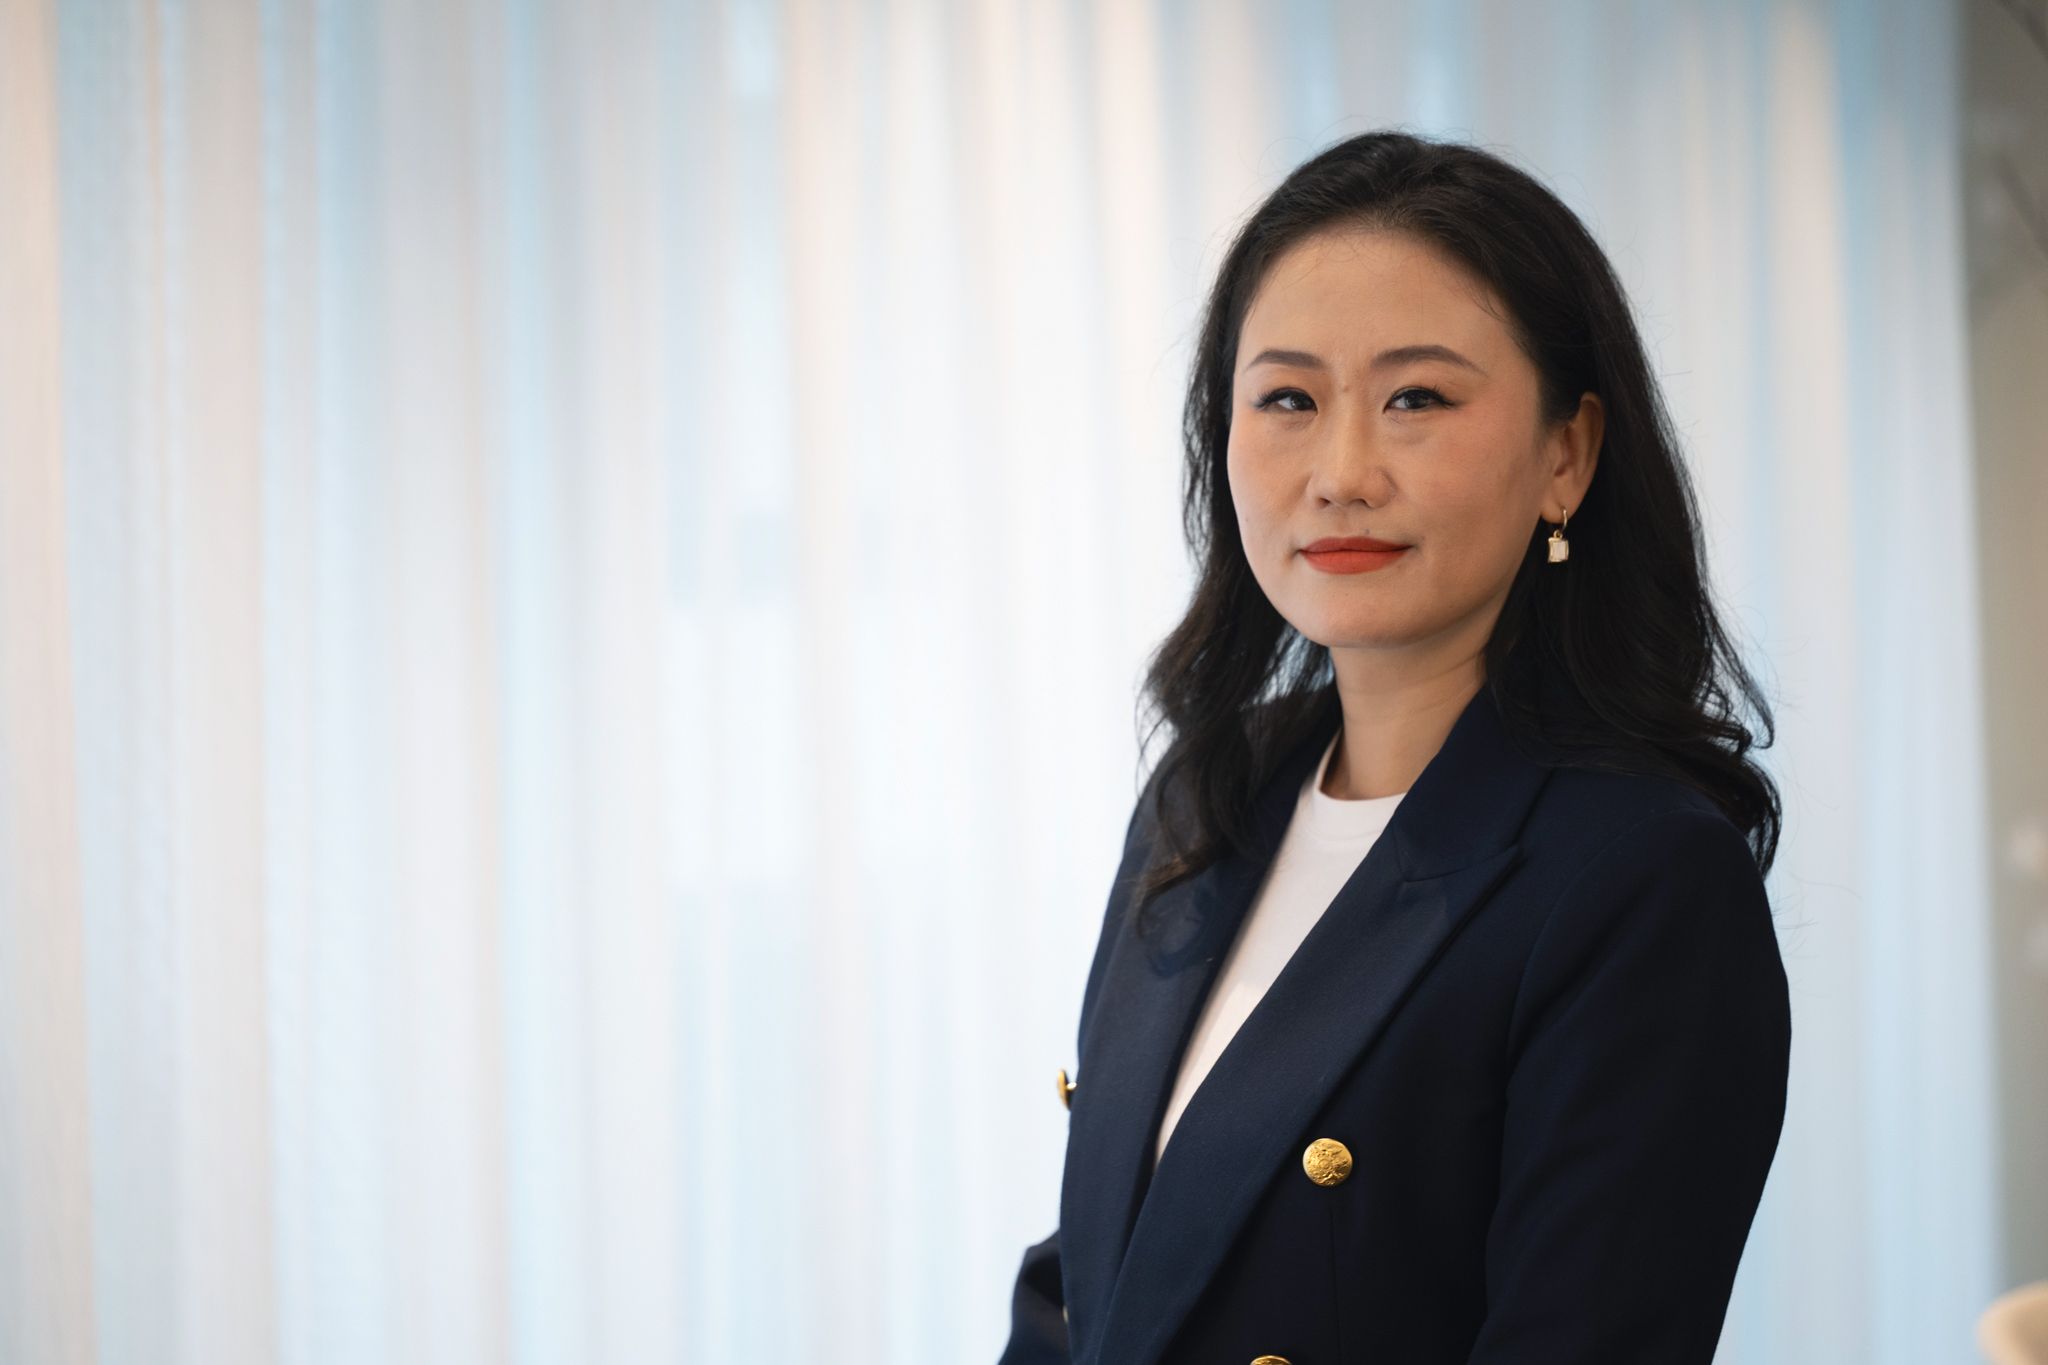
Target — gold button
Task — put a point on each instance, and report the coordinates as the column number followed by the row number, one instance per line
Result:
column 1272, row 1360
column 1327, row 1161
column 1067, row 1089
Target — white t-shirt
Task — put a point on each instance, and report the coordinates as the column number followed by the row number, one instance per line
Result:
column 1326, row 840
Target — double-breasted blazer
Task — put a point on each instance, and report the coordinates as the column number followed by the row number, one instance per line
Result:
column 1546, row 1019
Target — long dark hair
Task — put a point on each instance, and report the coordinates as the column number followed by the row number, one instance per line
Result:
column 1622, row 666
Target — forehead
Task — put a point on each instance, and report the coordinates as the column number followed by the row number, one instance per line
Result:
column 1338, row 293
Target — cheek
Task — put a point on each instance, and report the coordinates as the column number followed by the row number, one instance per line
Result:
column 1476, row 493
column 1484, row 520
column 1251, row 495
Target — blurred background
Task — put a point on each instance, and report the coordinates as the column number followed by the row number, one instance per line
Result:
column 573, row 578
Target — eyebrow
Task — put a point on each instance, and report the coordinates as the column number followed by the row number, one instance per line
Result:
column 1399, row 355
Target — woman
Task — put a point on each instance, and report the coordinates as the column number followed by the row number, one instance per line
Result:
column 1438, row 1013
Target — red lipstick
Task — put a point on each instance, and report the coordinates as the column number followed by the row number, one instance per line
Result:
column 1352, row 554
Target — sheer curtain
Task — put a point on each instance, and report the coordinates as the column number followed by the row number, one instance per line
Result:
column 572, row 579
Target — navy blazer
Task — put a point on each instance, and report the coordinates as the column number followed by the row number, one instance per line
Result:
column 1547, row 1016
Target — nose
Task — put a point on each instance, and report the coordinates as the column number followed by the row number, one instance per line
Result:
column 1348, row 463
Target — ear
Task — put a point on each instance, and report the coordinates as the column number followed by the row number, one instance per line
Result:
column 1571, row 454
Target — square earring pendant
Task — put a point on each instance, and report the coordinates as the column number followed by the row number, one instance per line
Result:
column 1560, row 549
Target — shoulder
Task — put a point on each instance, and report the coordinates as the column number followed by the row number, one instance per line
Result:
column 1586, row 815
column 1659, row 897
column 1619, row 799
column 1610, row 859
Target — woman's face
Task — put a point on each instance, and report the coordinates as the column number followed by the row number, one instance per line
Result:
column 1376, row 395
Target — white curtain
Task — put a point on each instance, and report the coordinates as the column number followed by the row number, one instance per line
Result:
column 571, row 583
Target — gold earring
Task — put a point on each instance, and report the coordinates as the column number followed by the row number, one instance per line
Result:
column 1560, row 548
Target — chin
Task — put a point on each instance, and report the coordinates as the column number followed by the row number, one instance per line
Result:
column 1354, row 630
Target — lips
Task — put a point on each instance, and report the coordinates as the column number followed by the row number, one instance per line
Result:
column 1329, row 543
column 1353, row 555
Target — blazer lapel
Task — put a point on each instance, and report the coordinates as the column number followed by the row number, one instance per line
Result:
column 1141, row 1244
column 1151, row 994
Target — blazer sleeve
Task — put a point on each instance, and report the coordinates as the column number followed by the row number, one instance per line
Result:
column 1648, row 1054
column 1038, row 1319
column 1038, row 1323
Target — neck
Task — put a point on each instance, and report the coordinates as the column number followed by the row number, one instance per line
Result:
column 1392, row 725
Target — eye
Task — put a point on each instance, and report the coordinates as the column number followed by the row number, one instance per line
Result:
column 1278, row 397
column 1430, row 394
column 1267, row 400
